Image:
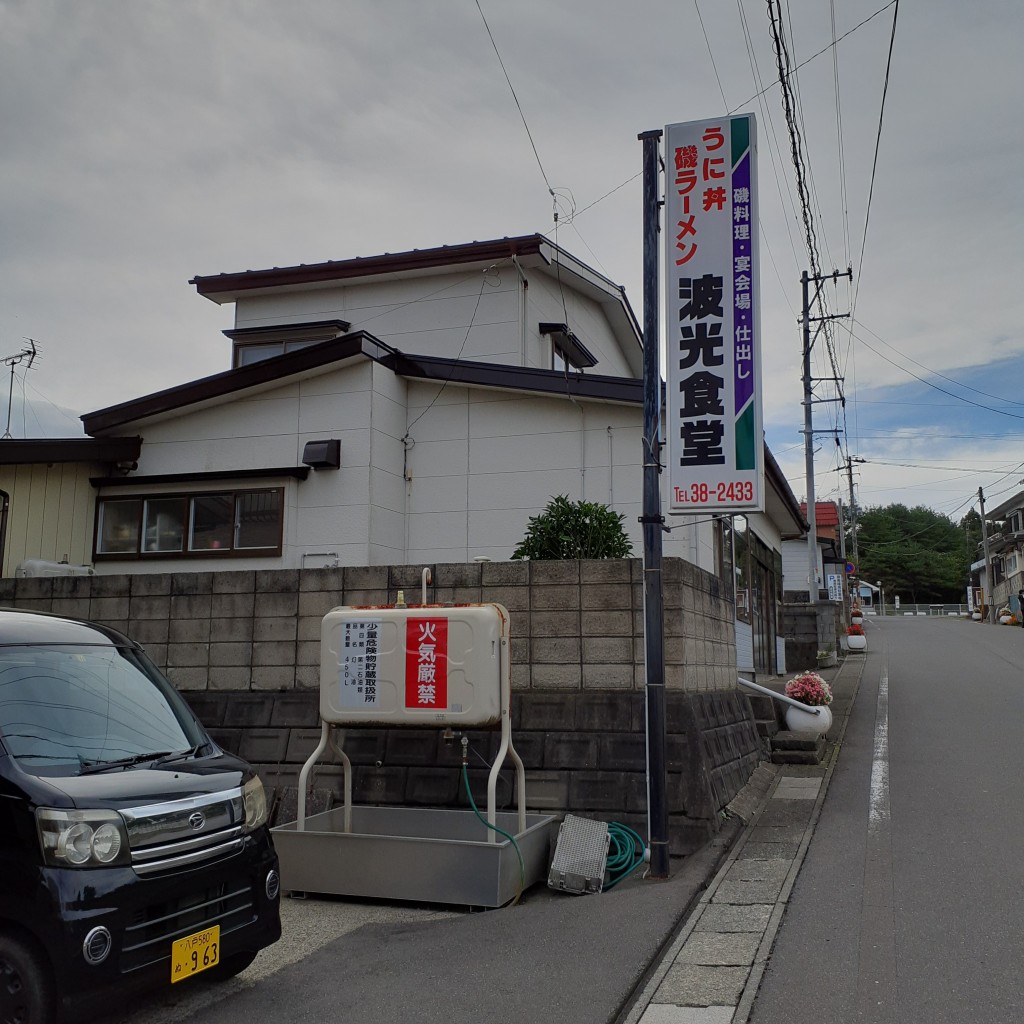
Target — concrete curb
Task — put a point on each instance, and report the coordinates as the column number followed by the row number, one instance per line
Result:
column 644, row 998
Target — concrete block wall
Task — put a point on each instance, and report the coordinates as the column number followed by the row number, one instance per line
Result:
column 244, row 648
column 809, row 629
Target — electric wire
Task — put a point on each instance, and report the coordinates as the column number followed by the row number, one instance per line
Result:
column 944, row 391
column 529, row 134
column 714, row 66
column 936, row 373
column 763, row 234
column 874, row 162
column 771, row 136
column 610, row 192
column 462, row 347
column 814, row 56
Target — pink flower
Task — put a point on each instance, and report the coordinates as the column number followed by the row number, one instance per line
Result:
column 809, row 688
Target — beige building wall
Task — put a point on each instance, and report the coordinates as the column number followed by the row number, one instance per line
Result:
column 50, row 513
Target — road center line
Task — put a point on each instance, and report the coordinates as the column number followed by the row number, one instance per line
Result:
column 878, row 811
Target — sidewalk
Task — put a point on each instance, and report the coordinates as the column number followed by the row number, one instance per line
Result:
column 695, row 946
column 712, row 971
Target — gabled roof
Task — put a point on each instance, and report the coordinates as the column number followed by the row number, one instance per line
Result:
column 530, row 250
column 826, row 513
column 316, row 358
column 781, row 504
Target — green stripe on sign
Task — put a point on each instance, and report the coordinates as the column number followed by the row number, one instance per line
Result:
column 740, row 138
column 746, row 454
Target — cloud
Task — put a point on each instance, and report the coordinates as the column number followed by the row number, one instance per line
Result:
column 146, row 143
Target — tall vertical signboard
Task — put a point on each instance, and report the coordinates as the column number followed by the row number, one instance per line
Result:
column 715, row 441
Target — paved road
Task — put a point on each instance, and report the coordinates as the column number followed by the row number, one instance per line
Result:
column 573, row 959
column 909, row 905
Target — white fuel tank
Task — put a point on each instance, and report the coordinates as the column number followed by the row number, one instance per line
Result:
column 417, row 665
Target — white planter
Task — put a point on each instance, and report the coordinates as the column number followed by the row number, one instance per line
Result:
column 857, row 643
column 1006, row 620
column 799, row 720
column 857, row 620
column 976, row 616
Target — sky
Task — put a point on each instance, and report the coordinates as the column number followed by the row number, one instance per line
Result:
column 148, row 141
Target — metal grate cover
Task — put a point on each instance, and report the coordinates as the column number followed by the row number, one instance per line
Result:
column 580, row 856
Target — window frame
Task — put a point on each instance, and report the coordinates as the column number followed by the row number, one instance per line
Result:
column 187, row 551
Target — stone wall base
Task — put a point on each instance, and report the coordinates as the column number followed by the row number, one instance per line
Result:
column 583, row 752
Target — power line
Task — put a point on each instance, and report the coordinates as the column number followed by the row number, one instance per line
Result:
column 928, row 383
column 936, row 373
column 707, row 41
column 529, row 134
column 814, row 56
column 874, row 162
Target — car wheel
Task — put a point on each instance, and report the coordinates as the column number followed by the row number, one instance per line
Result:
column 26, row 992
column 232, row 965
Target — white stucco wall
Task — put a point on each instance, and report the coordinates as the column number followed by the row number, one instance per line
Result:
column 429, row 472
column 795, row 565
column 432, row 315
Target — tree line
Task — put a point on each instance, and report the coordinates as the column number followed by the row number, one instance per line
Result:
column 919, row 554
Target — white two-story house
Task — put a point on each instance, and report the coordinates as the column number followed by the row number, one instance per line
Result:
column 402, row 408
column 405, row 408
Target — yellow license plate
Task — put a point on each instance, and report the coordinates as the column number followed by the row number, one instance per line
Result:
column 194, row 953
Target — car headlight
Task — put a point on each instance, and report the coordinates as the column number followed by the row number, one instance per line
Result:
column 82, row 839
column 255, row 800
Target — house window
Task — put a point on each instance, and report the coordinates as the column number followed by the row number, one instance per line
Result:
column 118, row 531
column 163, row 524
column 568, row 353
column 245, row 355
column 254, row 344
column 222, row 523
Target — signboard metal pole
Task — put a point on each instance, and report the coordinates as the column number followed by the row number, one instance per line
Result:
column 652, row 520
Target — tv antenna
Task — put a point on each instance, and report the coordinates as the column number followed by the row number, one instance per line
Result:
column 17, row 359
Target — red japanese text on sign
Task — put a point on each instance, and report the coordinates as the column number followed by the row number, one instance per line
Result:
column 426, row 664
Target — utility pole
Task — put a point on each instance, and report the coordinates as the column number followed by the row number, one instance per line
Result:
column 808, row 403
column 846, row 579
column 850, row 460
column 989, row 582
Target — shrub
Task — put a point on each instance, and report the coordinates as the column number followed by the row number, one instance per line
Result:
column 575, row 529
column 855, row 630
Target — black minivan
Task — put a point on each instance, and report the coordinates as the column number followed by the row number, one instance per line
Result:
column 134, row 852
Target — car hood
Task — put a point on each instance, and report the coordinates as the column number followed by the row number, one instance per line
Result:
column 134, row 786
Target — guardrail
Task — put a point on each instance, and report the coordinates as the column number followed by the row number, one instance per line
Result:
column 922, row 609
column 780, row 697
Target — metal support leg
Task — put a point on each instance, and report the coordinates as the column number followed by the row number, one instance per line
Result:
column 337, row 738
column 325, row 729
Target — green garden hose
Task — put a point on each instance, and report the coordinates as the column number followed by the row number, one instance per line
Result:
column 494, row 828
column 625, row 853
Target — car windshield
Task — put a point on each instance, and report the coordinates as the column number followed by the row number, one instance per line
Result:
column 64, row 708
